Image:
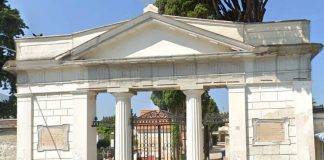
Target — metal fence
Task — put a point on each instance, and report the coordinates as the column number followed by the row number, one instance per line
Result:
column 159, row 135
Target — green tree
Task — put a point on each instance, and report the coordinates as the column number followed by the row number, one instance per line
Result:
column 174, row 101
column 106, row 129
column 231, row 10
column 11, row 26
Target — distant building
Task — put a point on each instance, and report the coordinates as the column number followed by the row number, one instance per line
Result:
column 8, row 139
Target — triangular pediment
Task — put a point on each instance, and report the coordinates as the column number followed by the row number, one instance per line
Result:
column 152, row 35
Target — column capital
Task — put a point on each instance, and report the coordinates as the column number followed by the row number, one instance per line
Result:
column 119, row 95
column 193, row 92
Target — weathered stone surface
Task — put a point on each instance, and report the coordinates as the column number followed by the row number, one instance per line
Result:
column 270, row 132
column 8, row 145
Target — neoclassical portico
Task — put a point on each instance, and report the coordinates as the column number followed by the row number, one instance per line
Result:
column 266, row 68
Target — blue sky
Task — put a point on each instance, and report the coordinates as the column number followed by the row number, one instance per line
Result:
column 65, row 16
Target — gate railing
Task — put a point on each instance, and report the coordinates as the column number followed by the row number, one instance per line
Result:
column 159, row 135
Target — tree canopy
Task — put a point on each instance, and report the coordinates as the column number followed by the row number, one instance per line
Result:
column 11, row 26
column 174, row 101
column 231, row 10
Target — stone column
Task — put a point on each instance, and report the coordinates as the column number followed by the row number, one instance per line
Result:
column 25, row 126
column 123, row 129
column 84, row 136
column 194, row 126
column 237, row 122
column 304, row 120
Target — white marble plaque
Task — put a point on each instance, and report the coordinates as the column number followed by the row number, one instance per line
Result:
column 53, row 137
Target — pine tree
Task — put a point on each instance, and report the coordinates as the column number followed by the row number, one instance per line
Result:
column 231, row 10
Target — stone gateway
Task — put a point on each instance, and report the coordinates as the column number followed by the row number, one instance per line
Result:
column 266, row 68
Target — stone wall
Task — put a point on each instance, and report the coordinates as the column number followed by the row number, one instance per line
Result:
column 52, row 109
column 271, row 102
column 8, row 140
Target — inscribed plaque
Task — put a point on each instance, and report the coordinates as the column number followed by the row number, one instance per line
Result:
column 270, row 130
column 53, row 137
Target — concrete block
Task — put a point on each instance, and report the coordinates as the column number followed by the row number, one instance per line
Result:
column 66, row 154
column 270, row 113
column 268, row 88
column 38, row 121
column 280, row 157
column 270, row 149
column 53, row 154
column 60, row 112
column 67, row 104
column 279, row 104
column 287, row 113
column 269, row 96
column 262, row 157
column 254, row 114
column 38, row 155
column 70, row 112
column 66, row 119
column 55, row 104
column 261, row 105
column 293, row 157
column 39, row 105
column 53, row 120
column 293, row 140
column 285, row 95
column 250, row 105
column 285, row 149
column 46, row 112
column 254, row 97
column 255, row 150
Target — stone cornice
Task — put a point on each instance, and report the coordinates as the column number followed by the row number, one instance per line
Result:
column 270, row 50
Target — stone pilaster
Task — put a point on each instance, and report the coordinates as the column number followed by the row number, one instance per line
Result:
column 25, row 104
column 237, row 122
column 304, row 120
column 123, row 129
column 84, row 142
column 194, row 127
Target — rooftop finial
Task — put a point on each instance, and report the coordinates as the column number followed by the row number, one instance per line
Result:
column 150, row 8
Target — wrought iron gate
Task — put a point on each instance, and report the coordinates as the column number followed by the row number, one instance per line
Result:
column 159, row 135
